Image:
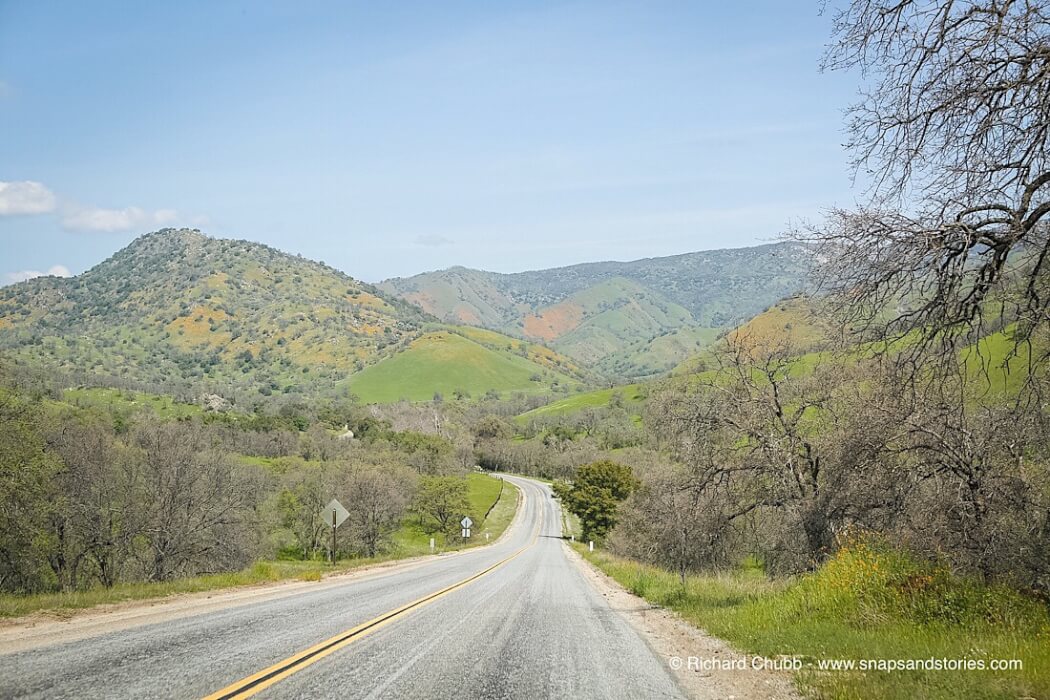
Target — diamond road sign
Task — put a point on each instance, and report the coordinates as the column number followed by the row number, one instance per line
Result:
column 466, row 522
column 335, row 507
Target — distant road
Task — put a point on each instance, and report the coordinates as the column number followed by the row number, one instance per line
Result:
column 516, row 619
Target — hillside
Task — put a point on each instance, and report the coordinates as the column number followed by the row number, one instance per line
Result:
column 449, row 364
column 795, row 326
column 621, row 318
column 179, row 311
column 629, row 396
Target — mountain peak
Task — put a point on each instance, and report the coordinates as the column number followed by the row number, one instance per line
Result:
column 172, row 235
column 177, row 306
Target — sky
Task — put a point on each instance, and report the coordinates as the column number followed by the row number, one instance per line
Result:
column 388, row 139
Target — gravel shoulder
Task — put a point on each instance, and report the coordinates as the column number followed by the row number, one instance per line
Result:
column 671, row 638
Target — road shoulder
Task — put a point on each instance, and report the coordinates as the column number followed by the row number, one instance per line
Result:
column 671, row 638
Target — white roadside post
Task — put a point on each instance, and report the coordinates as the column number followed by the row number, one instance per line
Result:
column 590, row 545
column 334, row 514
column 466, row 522
column 431, row 545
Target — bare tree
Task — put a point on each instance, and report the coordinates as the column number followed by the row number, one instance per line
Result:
column 94, row 530
column 676, row 519
column 377, row 497
column 196, row 505
column 797, row 453
column 951, row 136
column 977, row 483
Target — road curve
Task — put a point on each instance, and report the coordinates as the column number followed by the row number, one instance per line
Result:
column 529, row 626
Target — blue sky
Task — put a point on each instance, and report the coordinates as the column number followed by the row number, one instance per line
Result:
column 392, row 138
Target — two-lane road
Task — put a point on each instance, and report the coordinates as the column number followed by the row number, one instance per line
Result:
column 516, row 619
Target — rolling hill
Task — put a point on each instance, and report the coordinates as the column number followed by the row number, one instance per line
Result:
column 799, row 328
column 623, row 319
column 178, row 311
column 447, row 363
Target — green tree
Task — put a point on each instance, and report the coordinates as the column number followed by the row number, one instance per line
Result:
column 492, row 428
column 27, row 498
column 596, row 494
column 441, row 502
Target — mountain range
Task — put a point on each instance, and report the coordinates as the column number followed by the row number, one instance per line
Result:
column 178, row 311
column 624, row 319
column 181, row 311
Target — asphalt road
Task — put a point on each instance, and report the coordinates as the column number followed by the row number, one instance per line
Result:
column 531, row 627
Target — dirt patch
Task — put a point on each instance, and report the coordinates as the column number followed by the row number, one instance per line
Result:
column 554, row 321
column 676, row 642
column 465, row 314
column 423, row 301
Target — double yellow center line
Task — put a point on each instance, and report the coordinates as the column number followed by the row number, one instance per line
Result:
column 247, row 687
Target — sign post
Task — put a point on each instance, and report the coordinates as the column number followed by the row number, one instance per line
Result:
column 466, row 522
column 334, row 514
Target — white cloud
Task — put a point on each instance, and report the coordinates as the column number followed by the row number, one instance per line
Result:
column 30, row 197
column 433, row 240
column 25, row 197
column 23, row 275
column 111, row 220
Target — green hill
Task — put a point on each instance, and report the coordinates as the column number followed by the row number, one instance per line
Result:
column 623, row 319
column 448, row 363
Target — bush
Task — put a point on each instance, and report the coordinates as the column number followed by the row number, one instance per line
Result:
column 869, row 581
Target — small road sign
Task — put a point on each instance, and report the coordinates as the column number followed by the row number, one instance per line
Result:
column 466, row 522
column 334, row 514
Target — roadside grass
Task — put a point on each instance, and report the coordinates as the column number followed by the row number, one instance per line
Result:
column 869, row 602
column 409, row 542
column 483, row 493
column 570, row 525
column 65, row 604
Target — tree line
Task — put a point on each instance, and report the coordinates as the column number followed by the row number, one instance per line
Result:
column 89, row 497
